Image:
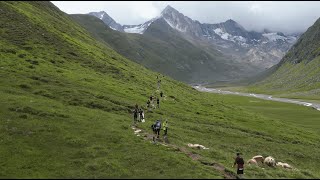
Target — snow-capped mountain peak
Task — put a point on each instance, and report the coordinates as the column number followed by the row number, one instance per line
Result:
column 169, row 9
column 178, row 21
column 264, row 48
column 107, row 20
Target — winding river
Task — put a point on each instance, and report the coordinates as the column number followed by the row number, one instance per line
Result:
column 260, row 96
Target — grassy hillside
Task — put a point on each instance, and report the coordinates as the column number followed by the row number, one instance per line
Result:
column 298, row 73
column 64, row 112
column 163, row 50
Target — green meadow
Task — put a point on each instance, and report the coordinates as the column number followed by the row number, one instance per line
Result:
column 66, row 102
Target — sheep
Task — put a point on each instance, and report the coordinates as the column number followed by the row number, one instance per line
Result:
column 197, row 146
column 252, row 161
column 270, row 161
column 284, row 165
column 258, row 158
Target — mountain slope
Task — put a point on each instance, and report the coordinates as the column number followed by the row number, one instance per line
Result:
column 64, row 112
column 259, row 49
column 162, row 49
column 65, row 100
column 298, row 72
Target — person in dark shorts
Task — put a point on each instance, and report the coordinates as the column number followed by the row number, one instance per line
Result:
column 135, row 116
column 240, row 164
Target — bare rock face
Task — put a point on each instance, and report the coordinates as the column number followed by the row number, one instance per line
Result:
column 250, row 52
column 263, row 49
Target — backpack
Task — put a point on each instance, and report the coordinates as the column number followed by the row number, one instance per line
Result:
column 158, row 125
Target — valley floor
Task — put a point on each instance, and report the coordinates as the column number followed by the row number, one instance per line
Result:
column 310, row 103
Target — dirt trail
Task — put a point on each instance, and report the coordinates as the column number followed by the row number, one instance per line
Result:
column 196, row 157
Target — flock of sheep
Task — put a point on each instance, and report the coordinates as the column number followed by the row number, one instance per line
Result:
column 270, row 161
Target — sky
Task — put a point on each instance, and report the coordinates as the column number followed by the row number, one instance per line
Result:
column 283, row 16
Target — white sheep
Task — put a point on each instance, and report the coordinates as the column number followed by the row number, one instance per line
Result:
column 197, row 146
column 258, row 158
column 284, row 165
column 252, row 161
column 270, row 161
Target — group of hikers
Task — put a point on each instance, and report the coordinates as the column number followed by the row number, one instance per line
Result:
column 156, row 127
column 150, row 101
column 138, row 114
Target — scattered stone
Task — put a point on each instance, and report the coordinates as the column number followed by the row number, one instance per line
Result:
column 137, row 131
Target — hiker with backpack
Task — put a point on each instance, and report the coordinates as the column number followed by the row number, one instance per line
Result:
column 240, row 164
column 156, row 127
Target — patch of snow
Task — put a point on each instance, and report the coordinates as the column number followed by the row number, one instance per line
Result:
column 273, row 36
column 244, row 44
column 176, row 26
column 101, row 16
column 136, row 29
column 222, row 34
column 229, row 37
column 240, row 38
column 139, row 29
column 113, row 28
